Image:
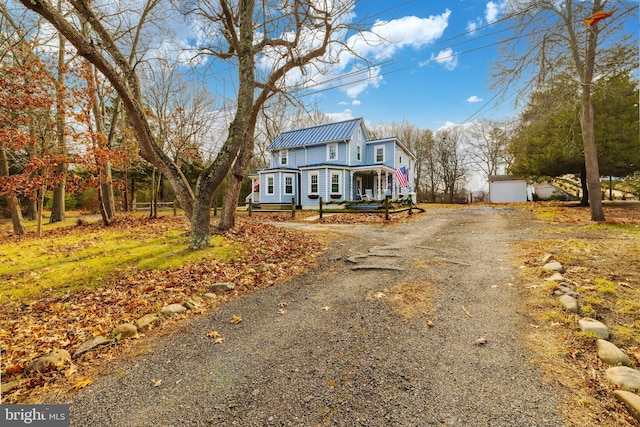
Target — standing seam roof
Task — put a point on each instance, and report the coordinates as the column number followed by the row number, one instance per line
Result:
column 316, row 135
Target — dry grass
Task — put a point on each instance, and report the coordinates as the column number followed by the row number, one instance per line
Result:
column 409, row 300
column 603, row 264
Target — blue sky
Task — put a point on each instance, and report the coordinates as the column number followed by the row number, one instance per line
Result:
column 430, row 79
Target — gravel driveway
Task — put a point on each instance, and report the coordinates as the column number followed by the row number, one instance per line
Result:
column 328, row 349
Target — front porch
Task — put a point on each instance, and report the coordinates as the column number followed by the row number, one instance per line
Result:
column 371, row 183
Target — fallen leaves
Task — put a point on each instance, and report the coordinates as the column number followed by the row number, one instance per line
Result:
column 217, row 339
column 235, row 319
column 32, row 328
column 80, row 384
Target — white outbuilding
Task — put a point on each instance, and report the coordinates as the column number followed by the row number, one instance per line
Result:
column 506, row 189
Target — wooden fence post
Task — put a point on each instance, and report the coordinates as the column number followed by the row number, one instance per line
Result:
column 320, row 207
column 215, row 208
column 386, row 208
column 293, row 207
column 175, row 208
column 410, row 206
column 250, row 207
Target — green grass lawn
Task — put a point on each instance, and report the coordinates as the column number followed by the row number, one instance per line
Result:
column 77, row 257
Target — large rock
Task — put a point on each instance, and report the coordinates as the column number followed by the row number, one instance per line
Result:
column 609, row 353
column 553, row 266
column 624, row 377
column 126, row 330
column 147, row 320
column 56, row 358
column 592, row 326
column 630, row 400
column 223, row 286
column 173, row 309
column 92, row 343
column 193, row 302
column 570, row 303
column 555, row 277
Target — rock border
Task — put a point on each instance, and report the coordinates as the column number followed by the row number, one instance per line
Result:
column 58, row 358
column 622, row 372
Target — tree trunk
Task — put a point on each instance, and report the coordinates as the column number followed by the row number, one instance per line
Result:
column 58, row 204
column 240, row 134
column 125, row 191
column 238, row 172
column 584, row 201
column 13, row 204
column 41, row 193
column 106, row 220
column 32, row 209
column 588, row 135
column 107, row 192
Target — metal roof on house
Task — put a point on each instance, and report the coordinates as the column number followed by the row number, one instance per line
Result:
column 321, row 134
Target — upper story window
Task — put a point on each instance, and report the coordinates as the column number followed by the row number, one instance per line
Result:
column 270, row 184
column 332, row 152
column 358, row 152
column 379, row 154
column 284, row 158
column 313, row 183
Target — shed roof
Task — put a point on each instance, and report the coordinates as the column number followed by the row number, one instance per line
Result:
column 321, row 134
column 500, row 178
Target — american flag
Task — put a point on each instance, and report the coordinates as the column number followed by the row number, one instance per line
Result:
column 401, row 174
column 256, row 183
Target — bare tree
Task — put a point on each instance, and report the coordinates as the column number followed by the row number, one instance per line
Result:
column 292, row 35
column 555, row 34
column 450, row 161
column 421, row 143
column 488, row 142
column 287, row 36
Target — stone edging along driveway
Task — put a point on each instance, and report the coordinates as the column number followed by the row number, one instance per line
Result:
column 622, row 371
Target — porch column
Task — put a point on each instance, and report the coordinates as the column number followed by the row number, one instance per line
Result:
column 379, row 184
column 352, row 186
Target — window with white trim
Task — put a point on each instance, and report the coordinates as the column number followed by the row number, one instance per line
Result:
column 332, row 152
column 379, row 154
column 284, row 157
column 358, row 152
column 270, row 184
column 335, row 183
column 313, row 183
column 288, row 185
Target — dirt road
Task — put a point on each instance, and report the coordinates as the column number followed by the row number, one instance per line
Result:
column 346, row 347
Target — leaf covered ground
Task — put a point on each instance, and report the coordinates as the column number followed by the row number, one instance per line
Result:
column 35, row 324
column 603, row 265
column 83, row 280
column 602, row 259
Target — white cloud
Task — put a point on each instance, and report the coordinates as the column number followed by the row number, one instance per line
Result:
column 446, row 57
column 381, row 43
column 361, row 79
column 493, row 10
column 341, row 116
column 472, row 26
column 356, row 102
column 473, row 99
column 387, row 37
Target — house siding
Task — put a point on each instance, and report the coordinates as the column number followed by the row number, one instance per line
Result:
column 307, row 156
